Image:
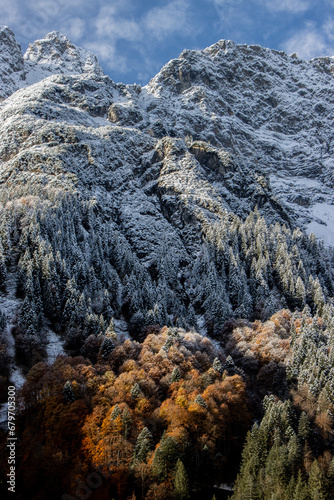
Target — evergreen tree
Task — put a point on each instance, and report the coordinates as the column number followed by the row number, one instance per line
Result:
column 316, row 482
column 229, row 365
column 116, row 412
column 301, row 490
column 107, row 347
column 3, row 321
column 165, row 456
column 127, row 422
column 200, row 401
column 135, row 391
column 181, row 483
column 303, row 426
column 143, row 446
column 176, row 375
column 68, row 392
column 217, row 365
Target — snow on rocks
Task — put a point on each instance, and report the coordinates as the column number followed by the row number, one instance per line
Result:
column 10, row 307
column 121, row 329
column 312, row 200
column 272, row 112
column 56, row 54
column 11, row 63
column 54, row 347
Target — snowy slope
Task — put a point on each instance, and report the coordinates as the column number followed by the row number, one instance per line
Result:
column 54, row 54
column 11, row 63
column 271, row 112
column 214, row 135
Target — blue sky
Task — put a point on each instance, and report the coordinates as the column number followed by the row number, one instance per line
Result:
column 134, row 39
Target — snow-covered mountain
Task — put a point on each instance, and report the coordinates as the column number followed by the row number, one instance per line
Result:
column 187, row 204
column 54, row 54
column 273, row 113
column 180, row 202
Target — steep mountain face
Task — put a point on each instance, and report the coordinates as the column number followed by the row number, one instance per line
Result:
column 54, row 54
column 177, row 203
column 11, row 61
column 272, row 111
column 154, row 213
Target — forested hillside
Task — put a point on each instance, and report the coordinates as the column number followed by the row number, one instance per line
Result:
column 166, row 312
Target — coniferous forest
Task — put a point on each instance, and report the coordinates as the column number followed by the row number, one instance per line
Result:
column 169, row 413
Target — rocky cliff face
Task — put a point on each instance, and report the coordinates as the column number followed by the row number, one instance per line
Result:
column 54, row 54
column 198, row 183
column 11, row 62
column 272, row 113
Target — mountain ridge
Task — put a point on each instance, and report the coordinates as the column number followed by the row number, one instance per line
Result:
column 53, row 54
column 265, row 108
column 180, row 176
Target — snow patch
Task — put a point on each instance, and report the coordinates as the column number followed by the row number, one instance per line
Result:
column 322, row 224
column 9, row 307
column 55, row 346
column 200, row 320
column 121, row 329
column 317, row 213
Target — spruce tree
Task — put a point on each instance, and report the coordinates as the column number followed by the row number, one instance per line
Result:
column 107, row 347
column 127, row 422
column 316, row 482
column 303, row 426
column 68, row 392
column 135, row 391
column 165, row 456
column 181, row 483
column 143, row 446
column 301, row 492
column 176, row 375
column 200, row 401
column 217, row 365
column 116, row 412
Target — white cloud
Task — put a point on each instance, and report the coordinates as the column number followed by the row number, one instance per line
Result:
column 309, row 43
column 110, row 25
column 74, row 29
column 10, row 13
column 116, row 22
column 164, row 21
column 107, row 52
column 228, row 3
column 47, row 8
column 293, row 6
column 329, row 28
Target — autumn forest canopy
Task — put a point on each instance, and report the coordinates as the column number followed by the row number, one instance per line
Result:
column 169, row 413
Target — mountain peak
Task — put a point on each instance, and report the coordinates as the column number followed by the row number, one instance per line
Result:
column 51, row 55
column 55, row 53
column 11, row 62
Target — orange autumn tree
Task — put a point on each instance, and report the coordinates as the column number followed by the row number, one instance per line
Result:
column 169, row 387
column 136, row 412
